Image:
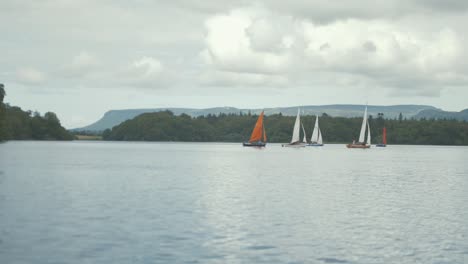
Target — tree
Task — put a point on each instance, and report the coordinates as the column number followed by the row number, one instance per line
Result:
column 2, row 92
column 400, row 117
column 2, row 113
column 18, row 124
column 236, row 128
column 51, row 118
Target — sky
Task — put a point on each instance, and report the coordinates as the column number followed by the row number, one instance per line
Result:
column 81, row 58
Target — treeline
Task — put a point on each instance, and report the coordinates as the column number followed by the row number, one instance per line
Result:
column 16, row 124
column 165, row 126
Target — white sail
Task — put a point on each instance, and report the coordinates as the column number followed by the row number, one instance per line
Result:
column 363, row 127
column 303, row 131
column 315, row 133
column 319, row 141
column 368, row 134
column 295, row 136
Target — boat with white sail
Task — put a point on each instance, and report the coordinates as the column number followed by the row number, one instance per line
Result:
column 295, row 140
column 316, row 139
column 362, row 143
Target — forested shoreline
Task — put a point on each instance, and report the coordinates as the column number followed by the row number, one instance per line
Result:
column 17, row 124
column 165, row 126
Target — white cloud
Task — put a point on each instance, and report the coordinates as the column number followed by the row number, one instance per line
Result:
column 390, row 55
column 235, row 42
column 28, row 75
column 313, row 50
column 236, row 79
column 385, row 54
column 143, row 72
column 90, row 71
column 146, row 67
column 81, row 65
column 84, row 60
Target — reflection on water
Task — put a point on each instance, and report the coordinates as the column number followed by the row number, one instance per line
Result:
column 103, row 202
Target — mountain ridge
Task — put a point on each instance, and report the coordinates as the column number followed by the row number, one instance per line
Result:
column 114, row 117
column 440, row 114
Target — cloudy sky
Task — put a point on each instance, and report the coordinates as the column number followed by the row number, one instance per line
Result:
column 82, row 58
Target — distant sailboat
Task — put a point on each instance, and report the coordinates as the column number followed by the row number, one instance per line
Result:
column 362, row 143
column 295, row 140
column 258, row 137
column 384, row 138
column 316, row 139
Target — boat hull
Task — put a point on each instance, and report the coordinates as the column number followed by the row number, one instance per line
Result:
column 381, row 145
column 254, row 144
column 315, row 145
column 294, row 145
column 358, row 146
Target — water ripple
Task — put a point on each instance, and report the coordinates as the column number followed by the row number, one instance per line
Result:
column 260, row 247
column 221, row 203
column 332, row 260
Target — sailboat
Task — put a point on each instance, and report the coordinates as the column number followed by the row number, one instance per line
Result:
column 258, row 137
column 361, row 143
column 384, row 138
column 295, row 140
column 316, row 139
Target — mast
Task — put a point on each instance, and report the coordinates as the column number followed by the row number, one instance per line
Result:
column 295, row 136
column 362, row 134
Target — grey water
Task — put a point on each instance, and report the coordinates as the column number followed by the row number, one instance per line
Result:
column 111, row 202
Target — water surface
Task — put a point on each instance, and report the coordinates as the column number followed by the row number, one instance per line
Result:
column 106, row 202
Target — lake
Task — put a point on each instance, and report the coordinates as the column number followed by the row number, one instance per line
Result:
column 127, row 202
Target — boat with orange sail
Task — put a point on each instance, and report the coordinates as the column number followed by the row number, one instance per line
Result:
column 384, row 138
column 362, row 143
column 258, row 137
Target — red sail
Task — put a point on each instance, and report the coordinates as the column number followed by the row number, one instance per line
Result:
column 258, row 129
column 384, row 136
column 264, row 135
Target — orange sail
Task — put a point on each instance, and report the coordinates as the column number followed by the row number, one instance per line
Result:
column 258, row 129
column 264, row 135
column 384, row 136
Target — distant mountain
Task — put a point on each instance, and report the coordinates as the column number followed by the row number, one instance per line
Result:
column 440, row 114
column 115, row 117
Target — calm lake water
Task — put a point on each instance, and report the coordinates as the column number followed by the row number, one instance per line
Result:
column 105, row 202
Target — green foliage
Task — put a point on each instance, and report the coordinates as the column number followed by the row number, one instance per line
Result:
column 2, row 93
column 17, row 124
column 165, row 126
column 21, row 125
column 2, row 113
